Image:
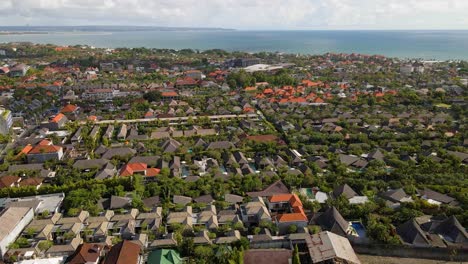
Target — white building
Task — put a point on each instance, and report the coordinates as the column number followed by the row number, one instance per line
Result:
column 13, row 220
column 6, row 121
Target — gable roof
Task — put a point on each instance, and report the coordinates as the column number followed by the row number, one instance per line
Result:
column 332, row 220
column 326, row 246
column 69, row 108
column 436, row 196
column 277, row 187
column 267, row 256
column 8, row 181
column 412, row 233
column 397, row 195
column 345, row 190
column 451, row 230
column 57, row 118
column 124, row 252
column 39, row 149
column 164, row 256
column 85, row 253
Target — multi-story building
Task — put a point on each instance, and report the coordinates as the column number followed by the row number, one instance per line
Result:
column 6, row 121
column 13, row 220
column 43, row 152
column 99, row 94
column 19, row 70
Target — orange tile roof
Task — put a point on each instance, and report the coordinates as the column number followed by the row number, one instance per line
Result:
column 45, row 142
column 57, row 118
column 268, row 91
column 250, row 88
column 26, row 149
column 92, row 118
column 39, row 149
column 293, row 217
column 151, row 172
column 69, row 108
column 318, row 100
column 169, row 94
column 280, row 198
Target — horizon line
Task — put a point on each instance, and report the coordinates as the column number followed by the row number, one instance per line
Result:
column 243, row 29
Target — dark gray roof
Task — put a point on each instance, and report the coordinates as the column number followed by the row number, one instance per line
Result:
column 232, row 198
column 396, row 195
column 90, row 164
column 345, row 190
column 331, row 220
column 451, row 230
column 347, row 159
column 117, row 202
column 151, row 202
column 376, row 154
column 171, row 145
column 151, row 161
column 436, row 196
column 204, row 199
column 410, row 232
column 26, row 167
column 183, row 200
column 220, row 145
column 118, row 152
column 277, row 187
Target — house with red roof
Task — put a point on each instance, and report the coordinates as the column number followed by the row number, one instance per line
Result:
column 186, row 82
column 43, row 151
column 139, row 168
column 289, row 211
column 69, row 109
column 56, row 122
column 169, row 95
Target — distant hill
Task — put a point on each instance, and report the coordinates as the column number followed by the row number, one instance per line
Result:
column 102, row 28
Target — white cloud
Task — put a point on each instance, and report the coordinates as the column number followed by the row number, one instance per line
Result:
column 244, row 14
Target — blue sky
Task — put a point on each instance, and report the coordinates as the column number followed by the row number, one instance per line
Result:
column 241, row 14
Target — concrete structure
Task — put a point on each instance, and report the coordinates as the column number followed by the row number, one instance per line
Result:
column 326, row 247
column 19, row 70
column 13, row 220
column 6, row 121
column 39, row 203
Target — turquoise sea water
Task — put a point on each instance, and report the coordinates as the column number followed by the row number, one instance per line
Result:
column 440, row 45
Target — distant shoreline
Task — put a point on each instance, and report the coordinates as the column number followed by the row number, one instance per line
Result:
column 22, row 33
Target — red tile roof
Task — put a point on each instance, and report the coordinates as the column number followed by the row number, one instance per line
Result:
column 31, row 182
column 8, row 181
column 86, row 253
column 125, row 252
column 132, row 168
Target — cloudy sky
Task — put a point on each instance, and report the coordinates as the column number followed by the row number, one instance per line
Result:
column 241, row 14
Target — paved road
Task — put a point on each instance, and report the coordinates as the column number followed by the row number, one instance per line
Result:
column 213, row 118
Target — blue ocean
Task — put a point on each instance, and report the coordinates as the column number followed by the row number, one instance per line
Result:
column 437, row 45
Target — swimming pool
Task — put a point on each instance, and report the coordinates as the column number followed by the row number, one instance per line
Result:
column 359, row 228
